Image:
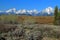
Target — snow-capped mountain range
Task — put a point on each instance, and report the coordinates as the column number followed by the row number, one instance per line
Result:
column 45, row 12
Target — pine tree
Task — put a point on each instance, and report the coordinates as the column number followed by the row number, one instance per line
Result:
column 55, row 15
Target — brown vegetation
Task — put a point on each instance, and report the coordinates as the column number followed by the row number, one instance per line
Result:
column 38, row 19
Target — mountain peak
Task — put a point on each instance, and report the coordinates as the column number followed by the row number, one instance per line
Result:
column 10, row 10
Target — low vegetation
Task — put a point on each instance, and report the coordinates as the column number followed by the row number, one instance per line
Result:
column 30, row 32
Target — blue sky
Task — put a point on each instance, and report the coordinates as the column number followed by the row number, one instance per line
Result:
column 28, row 4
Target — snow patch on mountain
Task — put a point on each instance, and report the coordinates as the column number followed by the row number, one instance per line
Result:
column 21, row 11
column 10, row 10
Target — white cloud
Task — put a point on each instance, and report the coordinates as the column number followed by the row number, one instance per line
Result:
column 48, row 10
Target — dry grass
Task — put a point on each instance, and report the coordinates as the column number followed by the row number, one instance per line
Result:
column 21, row 19
column 38, row 19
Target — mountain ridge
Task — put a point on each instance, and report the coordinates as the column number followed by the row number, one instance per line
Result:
column 45, row 12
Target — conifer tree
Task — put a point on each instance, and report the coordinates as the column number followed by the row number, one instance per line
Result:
column 55, row 15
